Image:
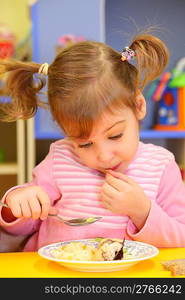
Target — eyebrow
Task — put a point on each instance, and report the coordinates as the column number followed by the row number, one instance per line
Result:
column 122, row 121
column 114, row 125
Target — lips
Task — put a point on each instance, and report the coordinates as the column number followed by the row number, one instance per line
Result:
column 114, row 167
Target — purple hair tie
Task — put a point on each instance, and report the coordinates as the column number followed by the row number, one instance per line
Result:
column 127, row 54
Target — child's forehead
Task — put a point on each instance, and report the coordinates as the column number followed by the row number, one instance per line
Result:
column 108, row 118
column 106, row 122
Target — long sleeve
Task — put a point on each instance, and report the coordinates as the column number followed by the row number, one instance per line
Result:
column 43, row 177
column 165, row 225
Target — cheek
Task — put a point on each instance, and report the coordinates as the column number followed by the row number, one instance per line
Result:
column 86, row 158
column 127, row 149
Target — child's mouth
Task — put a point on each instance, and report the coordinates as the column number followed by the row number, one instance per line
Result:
column 114, row 168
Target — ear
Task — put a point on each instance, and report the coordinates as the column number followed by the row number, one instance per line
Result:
column 140, row 106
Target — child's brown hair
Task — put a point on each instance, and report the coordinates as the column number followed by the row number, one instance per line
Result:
column 84, row 80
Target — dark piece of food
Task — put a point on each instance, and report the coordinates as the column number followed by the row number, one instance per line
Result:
column 120, row 254
column 108, row 249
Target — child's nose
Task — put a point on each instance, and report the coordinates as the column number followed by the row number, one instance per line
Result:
column 105, row 156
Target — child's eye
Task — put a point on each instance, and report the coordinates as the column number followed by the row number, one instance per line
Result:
column 115, row 137
column 87, row 145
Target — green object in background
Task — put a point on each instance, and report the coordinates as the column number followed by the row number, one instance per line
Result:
column 178, row 81
column 178, row 75
column 2, row 156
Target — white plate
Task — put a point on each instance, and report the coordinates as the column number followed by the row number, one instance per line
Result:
column 140, row 251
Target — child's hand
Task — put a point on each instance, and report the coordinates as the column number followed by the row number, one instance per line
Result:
column 29, row 202
column 122, row 195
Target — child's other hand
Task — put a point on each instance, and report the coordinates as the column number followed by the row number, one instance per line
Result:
column 29, row 202
column 122, row 195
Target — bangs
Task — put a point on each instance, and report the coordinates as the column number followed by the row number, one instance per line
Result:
column 77, row 114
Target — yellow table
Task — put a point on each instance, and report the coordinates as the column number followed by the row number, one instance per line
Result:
column 31, row 265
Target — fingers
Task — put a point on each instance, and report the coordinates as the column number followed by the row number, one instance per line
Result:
column 53, row 210
column 44, row 202
column 108, row 190
column 116, row 186
column 16, row 209
column 29, row 202
column 35, row 209
column 115, row 182
column 107, row 205
column 121, row 176
column 26, row 209
column 107, row 201
column 119, row 181
column 109, row 196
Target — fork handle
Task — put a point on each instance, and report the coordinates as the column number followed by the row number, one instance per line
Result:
column 4, row 204
column 57, row 216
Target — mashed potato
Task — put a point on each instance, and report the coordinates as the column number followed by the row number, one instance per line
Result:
column 74, row 251
column 106, row 250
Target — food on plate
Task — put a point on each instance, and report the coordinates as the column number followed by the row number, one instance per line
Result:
column 106, row 250
column 176, row 266
column 74, row 251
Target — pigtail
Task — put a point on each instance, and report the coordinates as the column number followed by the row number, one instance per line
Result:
column 22, row 88
column 151, row 55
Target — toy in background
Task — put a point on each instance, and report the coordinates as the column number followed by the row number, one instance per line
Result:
column 169, row 92
column 153, row 94
column 67, row 40
column 7, row 42
column 10, row 48
column 7, row 48
column 168, row 111
column 158, row 87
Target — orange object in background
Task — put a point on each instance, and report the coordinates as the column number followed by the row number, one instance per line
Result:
column 181, row 96
column 180, row 111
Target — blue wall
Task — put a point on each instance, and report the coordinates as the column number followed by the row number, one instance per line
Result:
column 122, row 17
column 58, row 17
column 52, row 19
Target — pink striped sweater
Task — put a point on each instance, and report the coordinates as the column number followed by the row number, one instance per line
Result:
column 74, row 190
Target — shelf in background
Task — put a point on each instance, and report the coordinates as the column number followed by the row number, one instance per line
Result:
column 8, row 168
column 144, row 134
column 156, row 134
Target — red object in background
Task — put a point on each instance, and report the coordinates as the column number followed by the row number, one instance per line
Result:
column 169, row 99
column 6, row 49
column 182, row 170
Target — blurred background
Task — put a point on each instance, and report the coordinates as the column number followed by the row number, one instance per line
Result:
column 38, row 30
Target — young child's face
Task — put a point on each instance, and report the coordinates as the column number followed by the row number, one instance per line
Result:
column 113, row 142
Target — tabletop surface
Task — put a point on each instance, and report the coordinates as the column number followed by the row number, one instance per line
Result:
column 31, row 265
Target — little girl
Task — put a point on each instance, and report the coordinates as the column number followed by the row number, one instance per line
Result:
column 100, row 168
